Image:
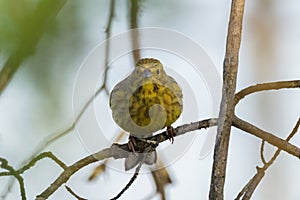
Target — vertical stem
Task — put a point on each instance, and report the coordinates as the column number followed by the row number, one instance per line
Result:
column 111, row 15
column 134, row 25
column 230, row 69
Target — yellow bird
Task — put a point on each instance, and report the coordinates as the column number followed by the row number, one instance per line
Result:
column 147, row 100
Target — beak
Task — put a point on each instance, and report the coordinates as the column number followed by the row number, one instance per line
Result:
column 147, row 73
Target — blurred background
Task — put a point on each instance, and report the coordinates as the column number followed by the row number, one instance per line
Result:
column 43, row 43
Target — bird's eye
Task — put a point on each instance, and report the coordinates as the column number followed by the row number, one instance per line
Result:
column 157, row 71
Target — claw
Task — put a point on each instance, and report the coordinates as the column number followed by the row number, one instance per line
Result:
column 170, row 133
column 131, row 143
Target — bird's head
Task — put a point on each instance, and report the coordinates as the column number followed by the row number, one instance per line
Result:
column 150, row 69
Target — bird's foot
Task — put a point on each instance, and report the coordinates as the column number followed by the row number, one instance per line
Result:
column 170, row 133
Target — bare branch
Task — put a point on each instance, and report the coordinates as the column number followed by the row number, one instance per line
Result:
column 250, row 187
column 134, row 11
column 42, row 156
column 268, row 137
column 262, row 147
column 252, row 183
column 107, row 47
column 120, row 151
column 276, row 154
column 17, row 173
column 12, row 172
column 66, row 174
column 230, row 68
column 73, row 193
column 265, row 86
column 136, row 173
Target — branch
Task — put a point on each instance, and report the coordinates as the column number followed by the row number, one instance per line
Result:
column 17, row 173
column 230, row 68
column 42, row 156
column 250, row 187
column 11, row 171
column 73, row 193
column 265, row 86
column 134, row 10
column 262, row 148
column 136, row 173
column 117, row 151
column 107, row 47
column 268, row 137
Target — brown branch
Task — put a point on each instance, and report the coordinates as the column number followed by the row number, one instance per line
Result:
column 12, row 172
column 73, row 193
column 250, row 187
column 262, row 148
column 230, row 68
column 107, row 47
column 268, row 137
column 66, row 174
column 266, row 86
column 136, row 173
column 134, row 11
column 254, row 181
column 120, row 151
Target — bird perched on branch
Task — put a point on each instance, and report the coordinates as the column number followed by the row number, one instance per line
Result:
column 144, row 102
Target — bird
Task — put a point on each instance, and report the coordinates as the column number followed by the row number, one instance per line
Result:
column 146, row 101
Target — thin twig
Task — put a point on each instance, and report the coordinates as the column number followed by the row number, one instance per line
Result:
column 250, row 187
column 230, row 69
column 41, row 156
column 73, row 193
column 266, row 86
column 34, row 161
column 252, row 183
column 111, row 15
column 262, row 147
column 276, row 154
column 268, row 137
column 134, row 11
column 66, row 174
column 12, row 172
column 133, row 178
